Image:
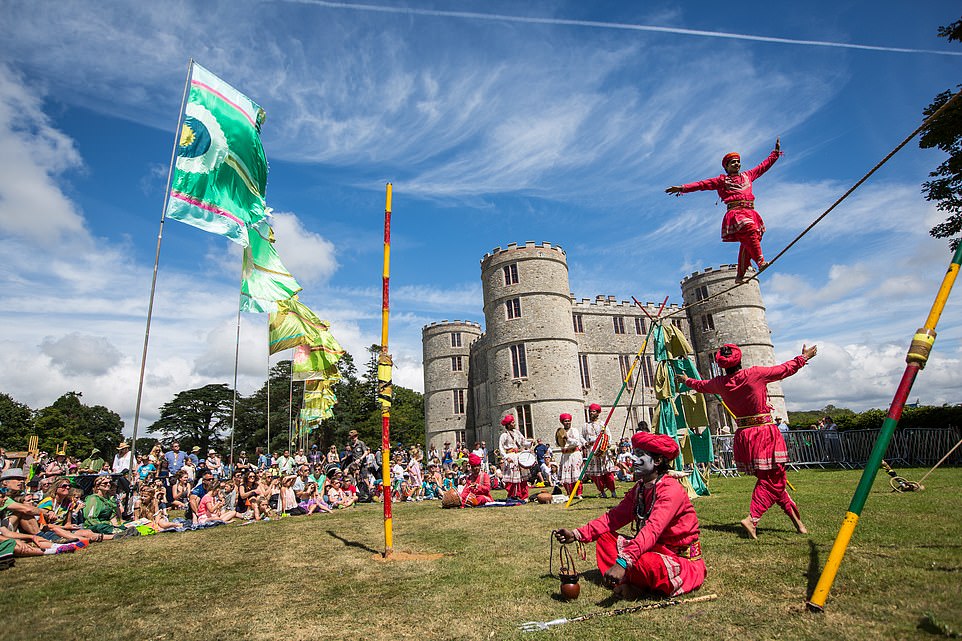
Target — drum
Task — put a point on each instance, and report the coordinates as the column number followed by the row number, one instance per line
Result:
column 527, row 460
column 471, row 500
column 451, row 498
column 561, row 437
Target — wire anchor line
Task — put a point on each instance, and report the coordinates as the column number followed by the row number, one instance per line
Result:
column 925, row 123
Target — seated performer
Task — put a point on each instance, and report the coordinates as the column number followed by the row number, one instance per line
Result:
column 663, row 555
column 477, row 485
column 760, row 448
column 741, row 224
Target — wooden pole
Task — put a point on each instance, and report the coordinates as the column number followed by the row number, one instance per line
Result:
column 384, row 375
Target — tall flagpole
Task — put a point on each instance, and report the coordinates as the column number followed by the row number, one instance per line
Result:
column 268, row 403
column 153, row 282
column 915, row 360
column 290, row 405
column 384, row 375
column 233, row 408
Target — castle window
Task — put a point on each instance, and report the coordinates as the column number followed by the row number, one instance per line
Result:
column 707, row 322
column 701, row 293
column 511, row 274
column 583, row 370
column 619, row 322
column 647, row 371
column 525, row 425
column 578, row 321
column 625, row 363
column 640, row 326
column 677, row 323
column 455, row 339
column 458, row 401
column 513, row 308
column 457, row 365
column 519, row 361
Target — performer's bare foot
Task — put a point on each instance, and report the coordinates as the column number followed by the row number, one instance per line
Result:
column 603, row 494
column 749, row 526
column 628, row 591
column 797, row 522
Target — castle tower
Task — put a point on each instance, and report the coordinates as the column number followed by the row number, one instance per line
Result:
column 448, row 403
column 529, row 347
column 737, row 316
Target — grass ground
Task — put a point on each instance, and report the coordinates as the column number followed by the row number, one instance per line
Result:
column 318, row 577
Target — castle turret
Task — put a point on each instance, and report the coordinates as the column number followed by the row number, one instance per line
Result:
column 530, row 349
column 737, row 316
column 448, row 404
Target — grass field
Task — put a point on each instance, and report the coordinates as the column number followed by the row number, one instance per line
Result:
column 319, row 577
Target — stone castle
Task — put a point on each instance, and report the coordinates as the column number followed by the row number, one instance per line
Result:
column 544, row 352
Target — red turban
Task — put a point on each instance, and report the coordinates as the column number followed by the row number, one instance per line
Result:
column 658, row 444
column 565, row 417
column 508, row 420
column 594, row 407
column 729, row 361
column 474, row 459
column 729, row 156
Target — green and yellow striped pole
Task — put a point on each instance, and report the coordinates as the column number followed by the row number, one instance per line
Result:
column 915, row 360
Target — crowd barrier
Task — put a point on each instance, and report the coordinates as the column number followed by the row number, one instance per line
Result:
column 850, row 449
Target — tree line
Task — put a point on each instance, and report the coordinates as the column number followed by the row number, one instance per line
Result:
column 203, row 416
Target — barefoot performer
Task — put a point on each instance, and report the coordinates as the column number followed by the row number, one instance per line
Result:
column 601, row 469
column 663, row 555
column 572, row 460
column 741, row 223
column 760, row 449
column 512, row 442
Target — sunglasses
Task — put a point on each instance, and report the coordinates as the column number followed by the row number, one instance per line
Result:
column 65, row 486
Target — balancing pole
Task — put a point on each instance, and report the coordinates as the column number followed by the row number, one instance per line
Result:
column 915, row 360
column 384, row 389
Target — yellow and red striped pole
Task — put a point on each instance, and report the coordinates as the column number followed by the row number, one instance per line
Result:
column 915, row 360
column 384, row 374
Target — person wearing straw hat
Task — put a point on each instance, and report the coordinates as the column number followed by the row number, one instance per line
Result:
column 123, row 460
column 572, row 459
column 601, row 469
column 741, row 224
column 759, row 447
column 664, row 554
column 512, row 442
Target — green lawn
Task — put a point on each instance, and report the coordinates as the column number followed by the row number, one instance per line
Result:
column 317, row 577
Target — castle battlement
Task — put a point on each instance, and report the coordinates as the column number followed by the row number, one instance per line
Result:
column 611, row 301
column 454, row 323
column 710, row 270
column 528, row 244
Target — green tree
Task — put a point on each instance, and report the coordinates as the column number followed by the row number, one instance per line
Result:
column 197, row 416
column 251, row 423
column 82, row 426
column 16, row 423
column 945, row 188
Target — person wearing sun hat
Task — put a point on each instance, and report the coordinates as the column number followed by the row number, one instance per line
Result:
column 124, row 460
column 759, row 447
column 512, row 442
column 741, row 224
column 664, row 554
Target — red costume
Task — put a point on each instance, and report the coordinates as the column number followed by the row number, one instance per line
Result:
column 741, row 223
column 664, row 556
column 477, row 489
column 759, row 447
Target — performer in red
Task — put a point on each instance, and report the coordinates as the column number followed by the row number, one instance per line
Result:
column 760, row 448
column 512, row 442
column 477, row 487
column 664, row 554
column 601, row 468
column 741, row 223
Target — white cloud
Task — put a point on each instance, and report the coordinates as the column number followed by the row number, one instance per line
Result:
column 306, row 254
column 81, row 354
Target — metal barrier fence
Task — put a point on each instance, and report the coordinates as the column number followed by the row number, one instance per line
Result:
column 850, row 449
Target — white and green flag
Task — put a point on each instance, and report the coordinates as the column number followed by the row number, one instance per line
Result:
column 220, row 174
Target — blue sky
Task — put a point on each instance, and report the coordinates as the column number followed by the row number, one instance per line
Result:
column 497, row 122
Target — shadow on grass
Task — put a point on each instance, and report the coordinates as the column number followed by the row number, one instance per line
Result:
column 814, row 570
column 728, row 528
column 352, row 544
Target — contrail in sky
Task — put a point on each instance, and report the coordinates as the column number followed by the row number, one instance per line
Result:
column 611, row 25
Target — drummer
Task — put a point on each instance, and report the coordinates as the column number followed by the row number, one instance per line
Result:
column 477, row 485
column 571, row 458
column 512, row 442
column 601, row 469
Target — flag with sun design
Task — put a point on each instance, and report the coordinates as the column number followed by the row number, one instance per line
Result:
column 220, row 174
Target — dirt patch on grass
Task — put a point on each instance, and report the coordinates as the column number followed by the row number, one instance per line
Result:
column 406, row 556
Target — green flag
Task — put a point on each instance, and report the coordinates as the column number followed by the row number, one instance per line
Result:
column 294, row 324
column 319, row 360
column 220, row 175
column 265, row 279
column 319, row 398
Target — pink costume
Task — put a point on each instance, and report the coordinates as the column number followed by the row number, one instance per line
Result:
column 741, row 222
column 759, row 448
column 664, row 556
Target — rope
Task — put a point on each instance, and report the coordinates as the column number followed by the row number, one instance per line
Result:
column 925, row 124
